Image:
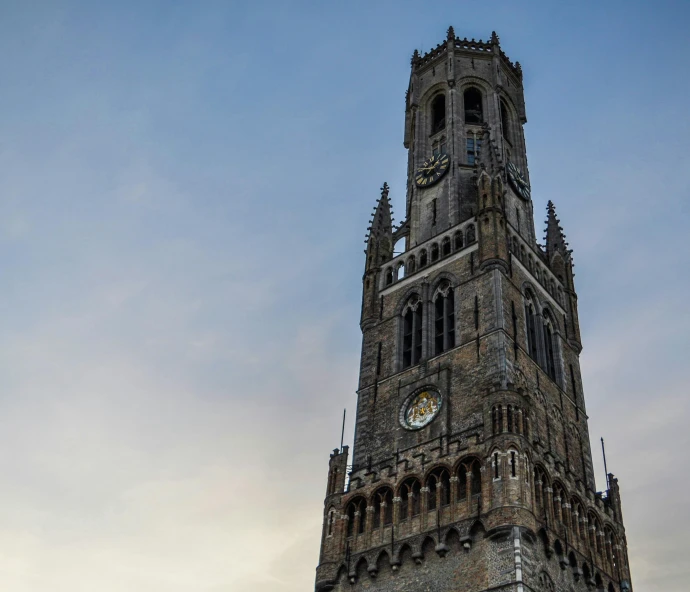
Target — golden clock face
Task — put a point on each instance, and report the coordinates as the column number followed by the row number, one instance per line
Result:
column 421, row 409
column 432, row 170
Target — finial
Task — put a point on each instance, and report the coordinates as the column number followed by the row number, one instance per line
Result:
column 494, row 38
column 384, row 190
column 451, row 33
column 415, row 57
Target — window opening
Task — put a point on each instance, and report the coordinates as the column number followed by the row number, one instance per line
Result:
column 474, row 147
column 505, row 121
column 438, row 114
column 474, row 113
column 412, row 334
column 512, row 464
column 444, row 320
column 495, row 465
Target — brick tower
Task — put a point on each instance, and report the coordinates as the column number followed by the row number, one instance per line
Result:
column 472, row 465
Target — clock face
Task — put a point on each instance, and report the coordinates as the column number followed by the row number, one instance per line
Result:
column 432, row 170
column 518, row 181
column 420, row 410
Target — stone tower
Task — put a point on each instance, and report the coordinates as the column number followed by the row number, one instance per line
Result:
column 472, row 465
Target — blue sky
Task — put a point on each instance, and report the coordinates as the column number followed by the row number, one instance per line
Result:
column 184, row 193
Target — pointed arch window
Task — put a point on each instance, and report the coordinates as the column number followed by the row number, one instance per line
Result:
column 549, row 346
column 444, row 319
column 422, row 258
column 474, row 112
column 531, row 322
column 457, row 240
column 409, row 498
column 356, row 514
column 412, row 332
column 383, row 507
column 438, row 485
column 438, row 114
column 505, row 121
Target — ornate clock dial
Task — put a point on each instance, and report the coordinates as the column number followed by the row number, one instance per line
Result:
column 518, row 182
column 420, row 409
column 432, row 170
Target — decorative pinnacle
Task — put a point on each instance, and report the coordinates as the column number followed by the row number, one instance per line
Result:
column 384, row 190
column 451, row 33
column 494, row 38
column 555, row 239
column 415, row 57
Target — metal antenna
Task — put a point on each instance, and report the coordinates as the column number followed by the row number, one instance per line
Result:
column 342, row 433
column 603, row 451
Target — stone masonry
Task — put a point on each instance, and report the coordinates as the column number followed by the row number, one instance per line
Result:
column 493, row 487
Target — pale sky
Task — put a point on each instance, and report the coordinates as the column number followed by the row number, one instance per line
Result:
column 184, row 192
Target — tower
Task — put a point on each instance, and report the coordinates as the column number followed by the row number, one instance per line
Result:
column 471, row 467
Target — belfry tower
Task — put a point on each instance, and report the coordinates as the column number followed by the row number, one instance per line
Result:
column 472, row 466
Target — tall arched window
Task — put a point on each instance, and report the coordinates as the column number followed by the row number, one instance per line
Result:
column 444, row 319
column 356, row 514
column 474, row 112
column 445, row 246
column 457, row 240
column 471, row 237
column 438, row 484
column 438, row 114
column 383, row 507
column 531, row 323
column 422, row 258
column 412, row 332
column 549, row 346
column 409, row 493
column 505, row 121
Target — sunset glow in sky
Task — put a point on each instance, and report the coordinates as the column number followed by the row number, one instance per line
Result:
column 184, row 193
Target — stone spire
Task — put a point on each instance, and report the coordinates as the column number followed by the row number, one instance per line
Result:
column 555, row 239
column 451, row 33
column 382, row 221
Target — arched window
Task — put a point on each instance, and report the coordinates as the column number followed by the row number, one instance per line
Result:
column 412, row 332
column 422, row 258
column 494, row 420
column 438, row 484
column 549, row 346
column 594, row 530
column 474, row 112
column 356, row 513
column 444, row 319
column 541, row 485
column 434, row 252
column 331, row 521
column 445, row 247
column 389, row 276
column 470, row 234
column 457, row 240
column 505, row 121
column 510, row 418
column 409, row 498
column 558, row 503
column 513, row 464
column 531, row 323
column 476, row 472
column 462, row 483
column 611, row 545
column 410, row 264
column 438, row 114
column 383, row 507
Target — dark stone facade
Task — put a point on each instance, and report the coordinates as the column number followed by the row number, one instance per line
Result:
column 497, row 490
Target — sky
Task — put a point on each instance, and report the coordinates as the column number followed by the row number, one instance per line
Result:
column 184, row 193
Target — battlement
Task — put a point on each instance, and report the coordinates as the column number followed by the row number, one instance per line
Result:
column 469, row 46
